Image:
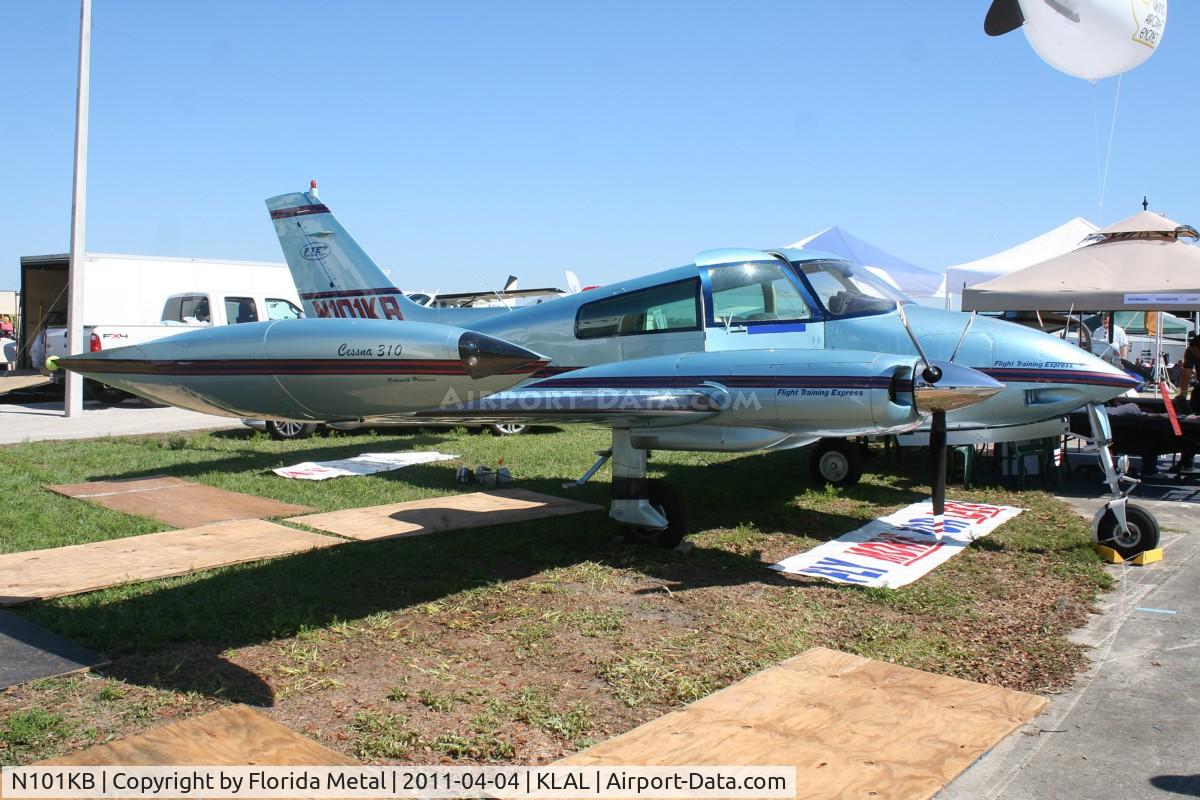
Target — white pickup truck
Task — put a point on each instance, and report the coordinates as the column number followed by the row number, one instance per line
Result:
column 180, row 313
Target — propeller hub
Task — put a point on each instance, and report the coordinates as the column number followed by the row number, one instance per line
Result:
column 954, row 386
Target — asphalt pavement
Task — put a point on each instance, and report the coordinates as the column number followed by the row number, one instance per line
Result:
column 1130, row 726
column 37, row 421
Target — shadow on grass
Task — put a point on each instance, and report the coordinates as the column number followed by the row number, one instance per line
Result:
column 340, row 445
column 171, row 634
column 193, row 667
column 262, row 461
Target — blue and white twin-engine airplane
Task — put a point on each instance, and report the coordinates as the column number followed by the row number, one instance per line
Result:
column 740, row 350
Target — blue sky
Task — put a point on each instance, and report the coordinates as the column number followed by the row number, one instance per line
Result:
column 458, row 140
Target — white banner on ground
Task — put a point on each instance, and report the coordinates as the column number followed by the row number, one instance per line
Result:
column 897, row 549
column 366, row 464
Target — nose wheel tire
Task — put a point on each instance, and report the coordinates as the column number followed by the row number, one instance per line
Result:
column 1141, row 536
column 667, row 502
column 507, row 428
column 837, row 462
column 290, row 430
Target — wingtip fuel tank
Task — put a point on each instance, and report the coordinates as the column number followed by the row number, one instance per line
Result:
column 313, row 369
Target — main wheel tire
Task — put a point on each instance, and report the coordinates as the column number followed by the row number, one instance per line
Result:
column 666, row 501
column 1142, row 534
column 286, row 431
column 507, row 428
column 837, row 462
column 103, row 393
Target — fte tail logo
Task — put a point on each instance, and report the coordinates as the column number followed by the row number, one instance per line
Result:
column 314, row 251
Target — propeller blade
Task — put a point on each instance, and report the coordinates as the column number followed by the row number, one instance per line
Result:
column 937, row 457
column 931, row 373
column 963, row 338
column 1004, row 16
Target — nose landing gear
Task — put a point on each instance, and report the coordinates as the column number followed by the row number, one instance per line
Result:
column 1126, row 528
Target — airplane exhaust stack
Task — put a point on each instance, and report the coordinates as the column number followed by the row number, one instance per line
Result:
column 956, row 387
column 483, row 356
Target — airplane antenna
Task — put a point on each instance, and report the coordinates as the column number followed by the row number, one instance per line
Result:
column 1145, row 203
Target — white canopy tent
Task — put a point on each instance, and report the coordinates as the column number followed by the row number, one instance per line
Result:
column 1138, row 264
column 1063, row 239
column 916, row 282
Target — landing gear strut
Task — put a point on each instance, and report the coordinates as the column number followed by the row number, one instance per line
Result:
column 648, row 511
column 1124, row 527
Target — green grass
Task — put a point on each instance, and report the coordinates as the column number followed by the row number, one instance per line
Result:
column 33, row 517
column 745, row 500
column 377, row 736
column 554, row 626
column 32, row 729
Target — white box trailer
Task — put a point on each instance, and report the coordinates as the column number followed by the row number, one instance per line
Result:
column 131, row 289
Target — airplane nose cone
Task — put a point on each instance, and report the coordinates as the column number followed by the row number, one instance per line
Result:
column 957, row 387
column 1105, row 381
column 484, row 356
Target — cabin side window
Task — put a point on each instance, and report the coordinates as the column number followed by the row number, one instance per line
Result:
column 659, row 309
column 755, row 292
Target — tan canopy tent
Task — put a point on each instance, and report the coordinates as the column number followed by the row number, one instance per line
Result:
column 1137, row 264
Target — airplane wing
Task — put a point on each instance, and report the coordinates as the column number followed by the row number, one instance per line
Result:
column 623, row 407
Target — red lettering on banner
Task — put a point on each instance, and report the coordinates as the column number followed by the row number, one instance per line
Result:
column 322, row 308
column 975, row 512
column 893, row 548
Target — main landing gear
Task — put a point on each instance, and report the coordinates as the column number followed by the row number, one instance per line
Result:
column 1124, row 527
column 838, row 462
column 649, row 511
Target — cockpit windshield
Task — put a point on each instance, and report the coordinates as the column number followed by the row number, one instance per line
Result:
column 849, row 291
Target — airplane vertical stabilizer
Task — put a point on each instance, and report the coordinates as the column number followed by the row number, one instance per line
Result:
column 334, row 275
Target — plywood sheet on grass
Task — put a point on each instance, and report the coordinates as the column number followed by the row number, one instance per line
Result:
column 176, row 502
column 853, row 727
column 29, row 652
column 442, row 514
column 229, row 737
column 39, row 574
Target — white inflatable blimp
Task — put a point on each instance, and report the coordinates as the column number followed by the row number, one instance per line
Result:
column 1089, row 39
